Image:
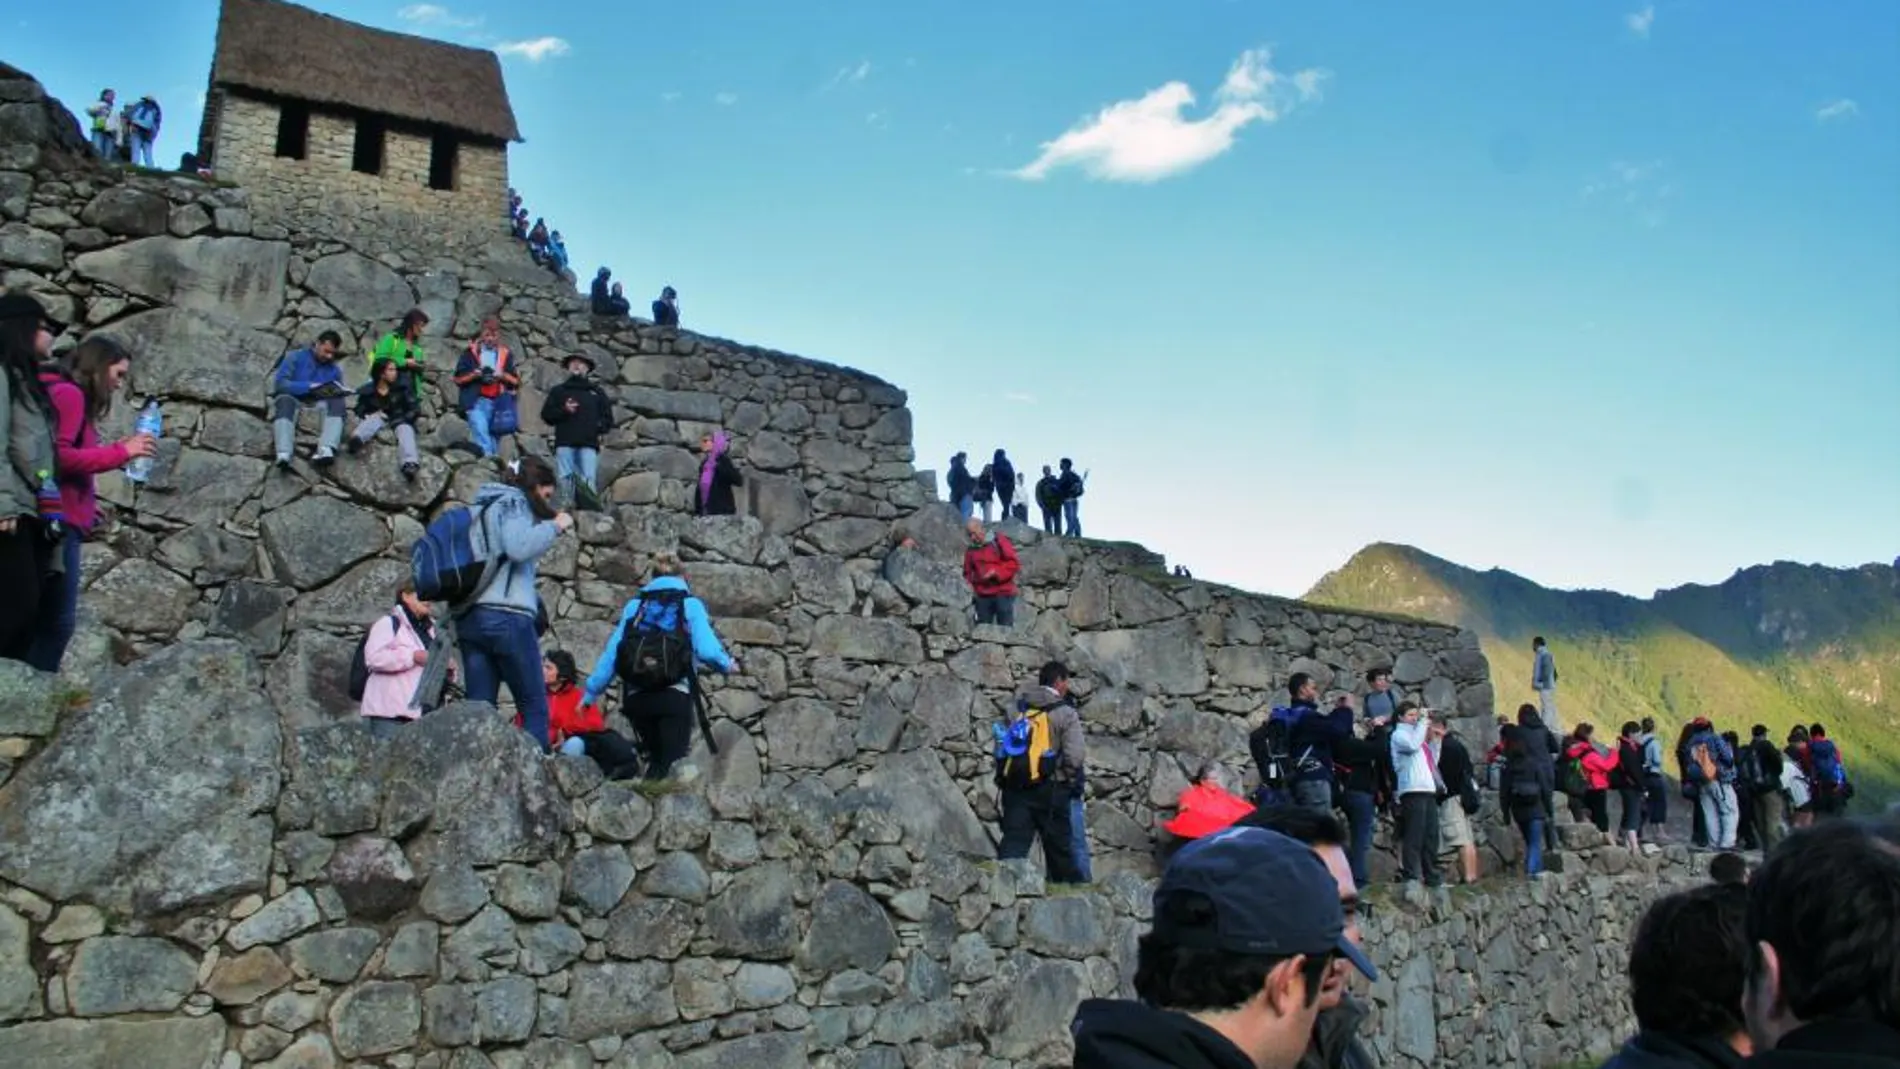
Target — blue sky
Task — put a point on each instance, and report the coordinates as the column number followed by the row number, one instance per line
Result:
column 1604, row 293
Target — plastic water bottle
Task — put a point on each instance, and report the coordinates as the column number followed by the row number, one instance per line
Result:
column 150, row 422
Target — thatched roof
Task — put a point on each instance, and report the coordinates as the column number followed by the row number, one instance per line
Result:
column 290, row 51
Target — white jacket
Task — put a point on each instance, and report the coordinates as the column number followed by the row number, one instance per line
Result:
column 1410, row 762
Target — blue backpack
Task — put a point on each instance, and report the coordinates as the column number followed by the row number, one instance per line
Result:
column 656, row 646
column 1829, row 774
column 451, row 562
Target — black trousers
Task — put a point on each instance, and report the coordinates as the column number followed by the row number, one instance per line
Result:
column 1040, row 812
column 663, row 723
column 1418, row 838
column 1597, row 805
column 25, row 556
column 613, row 753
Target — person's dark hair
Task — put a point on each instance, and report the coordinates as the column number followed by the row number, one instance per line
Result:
column 1373, row 674
column 378, row 366
column 1828, row 900
column 1687, row 963
column 87, row 366
column 332, row 337
column 1649, row 723
column 1630, row 728
column 1067, row 463
column 1729, row 867
column 1734, row 741
column 1293, row 685
column 534, row 474
column 1759, row 731
column 1536, row 642
column 1683, row 738
column 1194, row 980
column 1405, row 707
column 563, row 662
column 414, row 317
column 1796, row 734
column 1584, row 732
column 1052, row 673
column 1299, row 823
column 19, row 354
column 1816, row 731
column 1527, row 709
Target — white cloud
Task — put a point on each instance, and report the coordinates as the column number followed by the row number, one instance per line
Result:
column 1149, row 138
column 725, row 99
column 851, row 74
column 1639, row 22
column 1837, row 109
column 437, row 15
column 535, row 49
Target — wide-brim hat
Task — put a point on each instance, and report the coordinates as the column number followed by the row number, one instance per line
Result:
column 582, row 357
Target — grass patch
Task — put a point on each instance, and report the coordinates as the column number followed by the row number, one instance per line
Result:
column 656, row 788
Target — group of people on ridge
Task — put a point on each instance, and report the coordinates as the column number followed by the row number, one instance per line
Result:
column 1058, row 496
column 545, row 246
column 606, row 298
column 124, row 134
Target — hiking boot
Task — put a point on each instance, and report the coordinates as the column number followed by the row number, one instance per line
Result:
column 324, row 458
column 354, row 445
column 283, row 462
column 409, row 470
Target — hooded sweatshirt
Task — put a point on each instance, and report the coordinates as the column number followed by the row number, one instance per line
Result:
column 523, row 538
column 1117, row 1034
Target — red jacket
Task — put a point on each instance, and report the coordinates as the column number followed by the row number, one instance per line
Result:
column 567, row 716
column 80, row 454
column 991, row 568
column 1597, row 766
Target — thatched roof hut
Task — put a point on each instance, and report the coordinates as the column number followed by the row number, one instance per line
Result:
column 282, row 50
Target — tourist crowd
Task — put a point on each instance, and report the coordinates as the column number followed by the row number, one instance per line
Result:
column 124, row 133
column 607, row 298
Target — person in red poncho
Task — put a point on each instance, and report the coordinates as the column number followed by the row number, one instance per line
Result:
column 576, row 729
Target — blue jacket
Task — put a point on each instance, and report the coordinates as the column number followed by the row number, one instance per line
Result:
column 1719, row 750
column 1384, row 704
column 523, row 538
column 1544, row 671
column 1310, row 742
column 300, row 372
column 706, row 646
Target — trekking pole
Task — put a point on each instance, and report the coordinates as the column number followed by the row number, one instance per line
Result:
column 435, row 674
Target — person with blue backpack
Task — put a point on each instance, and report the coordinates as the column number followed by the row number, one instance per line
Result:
column 144, row 119
column 498, row 634
column 664, row 636
column 1827, row 773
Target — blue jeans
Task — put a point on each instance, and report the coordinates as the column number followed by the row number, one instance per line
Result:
column 59, row 609
column 1079, row 838
column 142, row 149
column 573, row 460
column 499, row 647
column 105, row 144
column 1533, row 829
column 1363, row 817
column 479, row 415
column 1073, row 523
column 966, row 507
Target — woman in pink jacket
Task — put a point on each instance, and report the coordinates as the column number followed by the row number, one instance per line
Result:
column 395, row 653
column 81, row 390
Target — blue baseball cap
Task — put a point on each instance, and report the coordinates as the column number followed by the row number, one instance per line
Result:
column 1271, row 895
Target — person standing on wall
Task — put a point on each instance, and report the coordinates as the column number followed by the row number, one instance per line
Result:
column 1544, row 682
column 718, row 476
column 81, row 392
column 1765, row 775
column 1460, row 801
column 1003, row 474
column 1049, row 501
column 1655, row 783
column 1628, row 779
column 962, row 486
column 1040, row 756
column 580, row 413
column 487, row 382
column 1382, row 697
column 31, row 528
column 664, row 637
column 104, row 119
column 990, row 566
column 144, row 119
column 1071, row 486
column 1310, row 742
column 985, row 493
column 666, row 310
column 1419, row 788
column 498, row 635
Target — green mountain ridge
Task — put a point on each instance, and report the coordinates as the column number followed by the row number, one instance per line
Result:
column 1775, row 644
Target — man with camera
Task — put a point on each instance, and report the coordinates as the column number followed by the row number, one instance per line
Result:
column 487, row 383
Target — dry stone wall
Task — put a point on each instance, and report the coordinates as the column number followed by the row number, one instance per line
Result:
column 205, row 861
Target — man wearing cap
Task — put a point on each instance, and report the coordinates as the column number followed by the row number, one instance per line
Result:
column 580, row 413
column 1247, row 925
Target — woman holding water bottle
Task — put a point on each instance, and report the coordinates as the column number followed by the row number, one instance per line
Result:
column 81, row 390
column 29, row 498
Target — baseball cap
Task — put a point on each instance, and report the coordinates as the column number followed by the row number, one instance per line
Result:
column 1271, row 896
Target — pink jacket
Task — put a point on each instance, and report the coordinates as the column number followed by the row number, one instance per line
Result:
column 80, row 455
column 390, row 655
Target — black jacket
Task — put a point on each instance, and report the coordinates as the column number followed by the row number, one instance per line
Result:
column 1004, row 475
column 1770, row 757
column 397, row 406
column 1832, row 1045
column 665, row 315
column 1336, row 1043
column 1664, row 1050
column 1529, row 753
column 1048, row 493
column 1069, row 485
column 1356, row 761
column 962, row 483
column 1116, row 1034
column 597, row 295
column 592, row 417
column 720, row 502
column 1311, row 739
column 1454, row 767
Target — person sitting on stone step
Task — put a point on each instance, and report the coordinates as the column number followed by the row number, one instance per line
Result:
column 580, row 413
column 385, row 401
column 577, row 728
column 597, row 292
column 666, row 310
column 404, row 346
column 617, row 303
column 309, row 377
